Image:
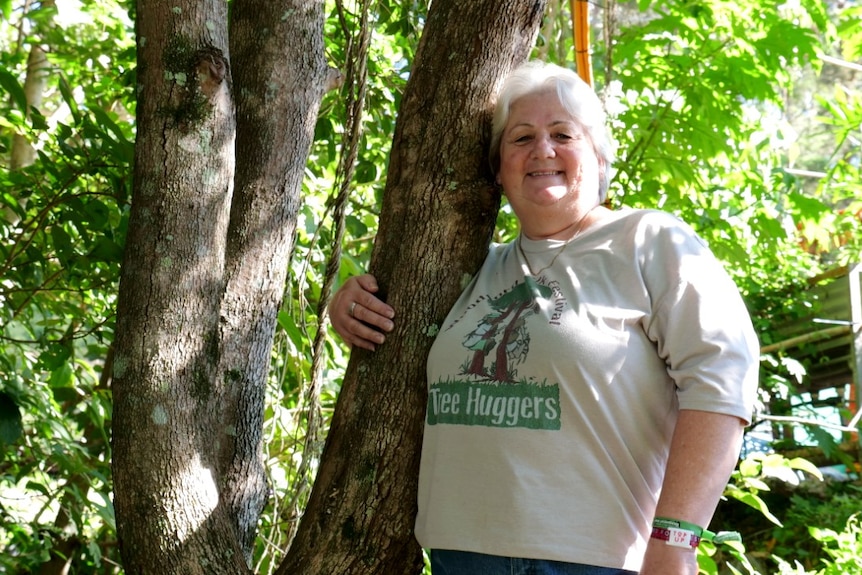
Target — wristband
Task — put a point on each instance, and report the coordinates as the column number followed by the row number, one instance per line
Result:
column 676, row 537
column 684, row 534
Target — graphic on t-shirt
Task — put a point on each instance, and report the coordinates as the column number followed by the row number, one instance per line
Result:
column 489, row 391
column 503, row 332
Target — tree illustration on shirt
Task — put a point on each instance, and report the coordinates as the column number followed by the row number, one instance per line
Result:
column 504, row 330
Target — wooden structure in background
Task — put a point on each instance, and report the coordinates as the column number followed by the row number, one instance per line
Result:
column 828, row 341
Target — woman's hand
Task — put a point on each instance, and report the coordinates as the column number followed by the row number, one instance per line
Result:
column 358, row 316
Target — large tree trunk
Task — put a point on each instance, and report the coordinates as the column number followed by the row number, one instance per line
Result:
column 165, row 406
column 437, row 219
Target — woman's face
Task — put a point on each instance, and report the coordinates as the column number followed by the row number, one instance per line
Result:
column 549, row 169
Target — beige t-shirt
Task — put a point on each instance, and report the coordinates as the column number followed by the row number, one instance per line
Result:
column 552, row 399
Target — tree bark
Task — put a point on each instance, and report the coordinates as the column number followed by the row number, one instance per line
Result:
column 280, row 73
column 165, row 457
column 438, row 215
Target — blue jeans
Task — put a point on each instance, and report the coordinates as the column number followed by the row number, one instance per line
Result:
column 444, row 562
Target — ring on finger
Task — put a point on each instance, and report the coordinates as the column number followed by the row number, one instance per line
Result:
column 351, row 308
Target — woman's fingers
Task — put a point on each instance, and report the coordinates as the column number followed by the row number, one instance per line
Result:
column 372, row 312
column 358, row 316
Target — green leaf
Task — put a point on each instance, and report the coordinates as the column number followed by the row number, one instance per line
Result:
column 109, row 124
column 54, row 355
column 805, row 465
column 750, row 467
column 783, row 473
column 69, row 98
column 39, row 486
column 107, row 250
column 757, row 503
column 62, row 377
column 38, row 121
column 366, row 172
column 10, row 83
column 62, row 243
column 10, row 420
column 355, row 226
column 97, row 213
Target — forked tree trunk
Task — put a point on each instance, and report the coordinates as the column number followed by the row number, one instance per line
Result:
column 437, row 218
column 199, row 293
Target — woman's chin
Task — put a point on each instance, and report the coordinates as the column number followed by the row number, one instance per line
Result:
column 550, row 195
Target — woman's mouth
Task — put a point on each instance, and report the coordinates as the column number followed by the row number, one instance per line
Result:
column 545, row 173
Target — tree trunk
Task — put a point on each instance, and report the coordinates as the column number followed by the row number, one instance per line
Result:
column 278, row 65
column 165, row 405
column 205, row 271
column 23, row 153
column 35, row 82
column 438, row 215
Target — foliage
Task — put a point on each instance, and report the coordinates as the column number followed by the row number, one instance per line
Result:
column 62, row 237
column 805, row 506
column 695, row 94
column 696, row 87
column 828, row 511
column 842, row 548
column 749, row 479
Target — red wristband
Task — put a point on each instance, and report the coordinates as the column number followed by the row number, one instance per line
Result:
column 676, row 537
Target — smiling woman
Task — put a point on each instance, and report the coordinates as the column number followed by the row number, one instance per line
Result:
column 532, row 378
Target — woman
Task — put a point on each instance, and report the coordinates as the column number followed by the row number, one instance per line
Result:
column 588, row 391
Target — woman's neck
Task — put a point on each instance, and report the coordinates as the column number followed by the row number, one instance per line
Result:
column 575, row 226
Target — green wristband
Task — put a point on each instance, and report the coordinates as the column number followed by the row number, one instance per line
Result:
column 667, row 523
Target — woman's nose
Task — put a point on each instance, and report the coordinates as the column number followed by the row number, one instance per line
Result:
column 543, row 148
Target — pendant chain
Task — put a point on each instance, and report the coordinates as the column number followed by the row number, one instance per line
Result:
column 554, row 259
column 578, row 230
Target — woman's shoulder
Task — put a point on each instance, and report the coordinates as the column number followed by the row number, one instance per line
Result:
column 498, row 251
column 653, row 223
column 649, row 217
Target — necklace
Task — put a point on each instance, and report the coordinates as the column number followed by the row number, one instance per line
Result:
column 578, row 229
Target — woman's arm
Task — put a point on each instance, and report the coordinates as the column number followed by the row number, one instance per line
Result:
column 703, row 453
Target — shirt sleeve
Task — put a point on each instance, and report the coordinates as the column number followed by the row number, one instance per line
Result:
column 698, row 320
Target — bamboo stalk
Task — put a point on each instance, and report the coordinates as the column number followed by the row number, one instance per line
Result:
column 810, row 422
column 581, row 36
column 807, row 338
